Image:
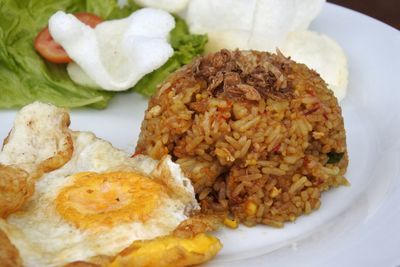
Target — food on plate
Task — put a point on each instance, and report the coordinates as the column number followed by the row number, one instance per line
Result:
column 26, row 76
column 89, row 201
column 259, row 135
column 169, row 251
column 51, row 50
column 16, row 187
column 306, row 11
column 25, row 155
column 267, row 24
column 115, row 54
column 319, row 52
column 256, row 24
column 9, row 256
column 174, row 6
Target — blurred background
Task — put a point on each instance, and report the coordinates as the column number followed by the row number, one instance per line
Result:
column 387, row 11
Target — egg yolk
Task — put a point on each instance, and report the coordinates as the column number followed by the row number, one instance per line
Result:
column 169, row 251
column 107, row 199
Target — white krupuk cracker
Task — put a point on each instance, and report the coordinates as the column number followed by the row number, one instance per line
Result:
column 204, row 16
column 271, row 23
column 227, row 39
column 118, row 53
column 306, row 11
column 173, row 6
column 321, row 53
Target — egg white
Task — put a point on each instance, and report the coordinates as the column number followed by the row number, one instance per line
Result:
column 44, row 238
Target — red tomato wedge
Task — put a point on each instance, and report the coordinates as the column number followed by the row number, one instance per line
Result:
column 52, row 51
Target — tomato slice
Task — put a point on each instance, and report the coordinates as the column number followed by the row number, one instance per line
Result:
column 52, row 51
column 89, row 19
column 49, row 49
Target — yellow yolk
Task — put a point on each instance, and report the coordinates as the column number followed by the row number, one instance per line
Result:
column 107, row 199
column 168, row 251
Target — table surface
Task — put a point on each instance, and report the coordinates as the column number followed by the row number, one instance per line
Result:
column 387, row 11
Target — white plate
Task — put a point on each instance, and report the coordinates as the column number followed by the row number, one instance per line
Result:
column 357, row 225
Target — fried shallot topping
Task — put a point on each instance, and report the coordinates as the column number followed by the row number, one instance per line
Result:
column 248, row 75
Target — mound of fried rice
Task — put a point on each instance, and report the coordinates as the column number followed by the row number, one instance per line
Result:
column 260, row 136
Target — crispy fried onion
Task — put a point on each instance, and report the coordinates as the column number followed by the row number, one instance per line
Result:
column 248, row 75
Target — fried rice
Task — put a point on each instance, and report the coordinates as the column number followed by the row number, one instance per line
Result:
column 259, row 135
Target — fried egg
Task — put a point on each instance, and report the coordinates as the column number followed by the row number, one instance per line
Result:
column 97, row 203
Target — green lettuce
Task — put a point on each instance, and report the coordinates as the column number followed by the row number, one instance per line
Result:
column 26, row 77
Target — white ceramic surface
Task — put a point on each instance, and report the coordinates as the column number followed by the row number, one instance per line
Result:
column 357, row 225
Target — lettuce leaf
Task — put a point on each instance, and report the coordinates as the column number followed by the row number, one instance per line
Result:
column 26, row 77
